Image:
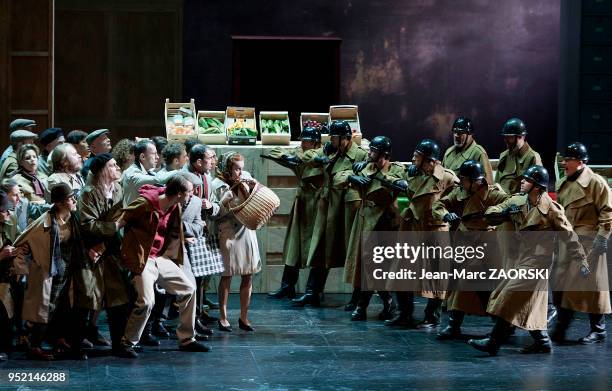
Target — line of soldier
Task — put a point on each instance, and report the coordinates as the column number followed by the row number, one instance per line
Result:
column 345, row 191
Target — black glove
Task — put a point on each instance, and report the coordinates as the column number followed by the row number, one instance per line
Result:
column 359, row 166
column 399, row 185
column 511, row 210
column 359, row 180
column 451, row 218
column 291, row 159
column 412, row 170
column 328, row 148
column 600, row 245
column 323, row 160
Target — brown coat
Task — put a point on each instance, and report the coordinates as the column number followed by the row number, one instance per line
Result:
column 512, row 165
column 25, row 185
column 524, row 304
column 454, row 158
column 588, row 207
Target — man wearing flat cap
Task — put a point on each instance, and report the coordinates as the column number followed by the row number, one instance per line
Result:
column 18, row 138
column 99, row 143
column 18, row 124
column 49, row 139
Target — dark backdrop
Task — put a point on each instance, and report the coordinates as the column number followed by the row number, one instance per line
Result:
column 411, row 66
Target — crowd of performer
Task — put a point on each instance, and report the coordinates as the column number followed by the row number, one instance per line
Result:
column 87, row 227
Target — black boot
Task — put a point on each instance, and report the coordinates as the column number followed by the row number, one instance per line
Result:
column 314, row 285
column 388, row 311
column 352, row 304
column 147, row 338
column 453, row 330
column 541, row 343
column 598, row 330
column 492, row 344
column 564, row 318
column 309, row 297
column 360, row 312
column 405, row 306
column 94, row 336
column 432, row 315
column 159, row 330
column 285, row 290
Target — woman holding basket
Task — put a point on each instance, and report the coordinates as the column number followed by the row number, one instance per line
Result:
column 237, row 243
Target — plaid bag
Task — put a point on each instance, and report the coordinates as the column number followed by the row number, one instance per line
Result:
column 204, row 256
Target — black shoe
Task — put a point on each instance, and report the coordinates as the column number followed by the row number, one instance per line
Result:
column 350, row 306
column 486, row 345
column 76, row 354
column 211, row 304
column 227, row 328
column 96, row 338
column 125, row 351
column 159, row 330
column 359, row 314
column 201, row 337
column 3, row 356
column 86, row 344
column 400, row 321
column 287, row 291
column 307, row 298
column 537, row 347
column 201, row 328
column 207, row 318
column 449, row 333
column 593, row 337
column 194, row 347
column 244, row 326
column 148, row 340
column 388, row 312
column 427, row 324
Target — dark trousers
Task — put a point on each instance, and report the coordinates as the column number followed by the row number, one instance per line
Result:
column 117, row 319
column 316, row 280
column 6, row 335
column 291, row 274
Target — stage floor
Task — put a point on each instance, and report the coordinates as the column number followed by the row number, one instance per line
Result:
column 321, row 349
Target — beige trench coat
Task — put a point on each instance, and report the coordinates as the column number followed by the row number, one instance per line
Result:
column 512, row 166
column 454, row 158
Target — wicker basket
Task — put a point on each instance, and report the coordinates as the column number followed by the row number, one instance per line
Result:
column 256, row 210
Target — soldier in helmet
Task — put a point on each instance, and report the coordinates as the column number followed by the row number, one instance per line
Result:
column 465, row 205
column 466, row 148
column 588, row 206
column 516, row 158
column 335, row 211
column 428, row 181
column 519, row 302
column 301, row 219
column 379, row 181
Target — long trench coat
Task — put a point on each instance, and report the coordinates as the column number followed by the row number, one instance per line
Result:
column 378, row 212
column 588, row 207
column 520, row 302
column 512, row 165
column 106, row 280
column 304, row 209
column 336, row 209
column 464, row 204
column 454, row 158
column 10, row 230
column 423, row 191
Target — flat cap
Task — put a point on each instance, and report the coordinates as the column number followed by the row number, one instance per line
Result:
column 61, row 192
column 21, row 134
column 95, row 134
column 50, row 135
column 21, row 123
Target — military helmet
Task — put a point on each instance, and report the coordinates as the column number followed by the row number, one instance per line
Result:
column 514, row 127
column 471, row 169
column 381, row 144
column 538, row 175
column 340, row 128
column 310, row 133
column 576, row 151
column 429, row 148
column 463, row 125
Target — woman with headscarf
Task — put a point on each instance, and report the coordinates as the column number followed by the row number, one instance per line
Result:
column 33, row 186
column 237, row 243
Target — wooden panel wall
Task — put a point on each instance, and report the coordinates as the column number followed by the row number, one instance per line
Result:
column 26, row 63
column 126, row 61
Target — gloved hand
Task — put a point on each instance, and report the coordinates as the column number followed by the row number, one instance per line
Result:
column 291, row 159
column 400, row 185
column 511, row 210
column 323, row 160
column 412, row 170
column 584, row 269
column 451, row 218
column 359, row 180
column 600, row 245
column 359, row 166
column 328, row 148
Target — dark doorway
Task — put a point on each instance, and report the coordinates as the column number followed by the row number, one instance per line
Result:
column 295, row 74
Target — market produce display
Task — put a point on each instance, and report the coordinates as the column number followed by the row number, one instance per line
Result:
column 181, row 121
column 315, row 124
column 275, row 126
column 242, row 127
column 210, row 126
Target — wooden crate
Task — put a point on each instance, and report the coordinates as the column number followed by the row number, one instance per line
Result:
column 213, row 139
column 320, row 117
column 171, row 109
column 274, row 138
column 245, row 114
column 350, row 114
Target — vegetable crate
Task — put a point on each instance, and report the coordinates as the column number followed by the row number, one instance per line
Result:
column 180, row 120
column 240, row 126
column 274, row 127
column 350, row 114
column 317, row 118
column 211, row 127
